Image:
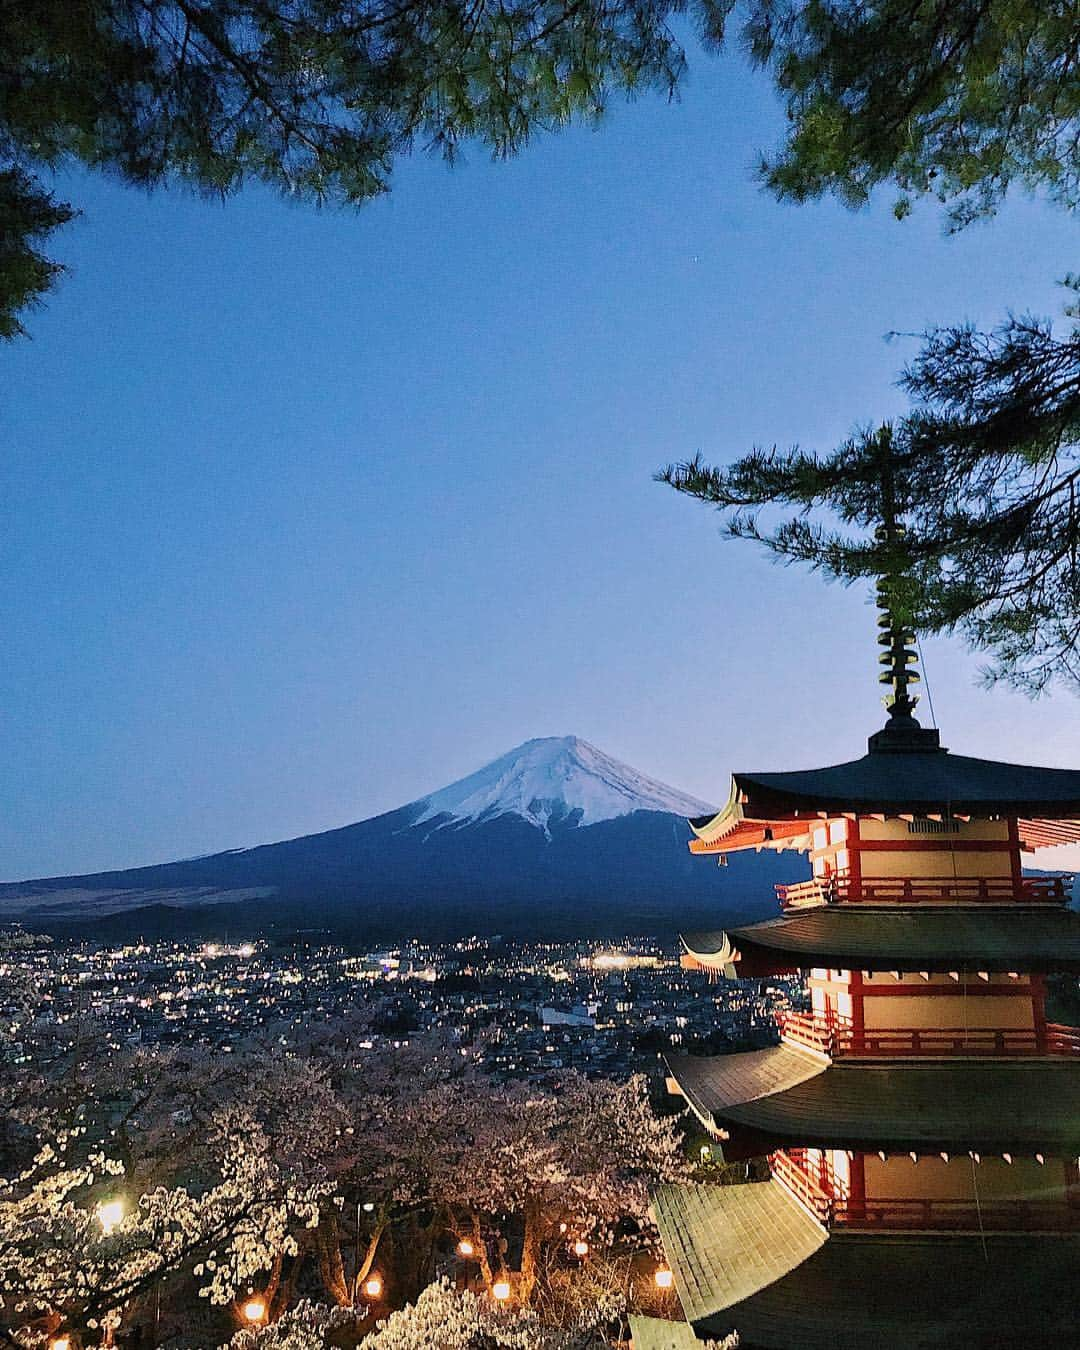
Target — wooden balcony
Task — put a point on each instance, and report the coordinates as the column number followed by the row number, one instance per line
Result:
column 837, row 1038
column 1052, row 889
column 927, row 1215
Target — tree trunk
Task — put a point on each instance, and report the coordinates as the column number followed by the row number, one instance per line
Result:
column 530, row 1252
column 286, row 1292
column 364, row 1268
column 274, row 1282
column 331, row 1266
column 481, row 1251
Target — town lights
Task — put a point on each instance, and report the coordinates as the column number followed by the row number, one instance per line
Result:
column 500, row 1290
column 465, row 1247
column 663, row 1278
column 254, row 1310
column 110, row 1214
column 373, row 1286
column 581, row 1248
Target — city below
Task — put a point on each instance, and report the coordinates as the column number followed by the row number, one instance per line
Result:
column 531, row 1010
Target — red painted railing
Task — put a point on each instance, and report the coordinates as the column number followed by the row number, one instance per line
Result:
column 936, row 1214
column 836, row 1037
column 805, row 1030
column 809, row 1192
column 1045, row 890
column 959, row 1215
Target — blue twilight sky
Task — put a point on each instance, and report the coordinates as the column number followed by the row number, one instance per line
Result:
column 308, row 513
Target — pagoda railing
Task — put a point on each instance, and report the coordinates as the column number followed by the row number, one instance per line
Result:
column 958, row 1215
column 816, row 1200
column 837, row 1037
column 1051, row 889
column 925, row 1213
column 806, row 1030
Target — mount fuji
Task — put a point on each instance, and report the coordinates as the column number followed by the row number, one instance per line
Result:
column 553, row 838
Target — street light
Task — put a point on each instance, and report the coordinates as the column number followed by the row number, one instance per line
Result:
column 254, row 1310
column 663, row 1278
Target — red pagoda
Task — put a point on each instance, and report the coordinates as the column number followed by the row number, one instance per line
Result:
column 922, row 1119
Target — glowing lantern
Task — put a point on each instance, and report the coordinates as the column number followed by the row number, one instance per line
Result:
column 110, row 1214
column 60, row 1343
column 373, row 1287
column 581, row 1248
column 254, row 1310
column 465, row 1247
column 663, row 1278
column 501, row 1290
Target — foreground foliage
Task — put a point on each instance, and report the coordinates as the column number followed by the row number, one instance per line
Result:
column 955, row 98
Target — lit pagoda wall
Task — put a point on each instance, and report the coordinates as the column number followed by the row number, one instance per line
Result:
column 869, row 849
column 875, row 1001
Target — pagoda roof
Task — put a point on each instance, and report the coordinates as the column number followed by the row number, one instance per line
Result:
column 922, row 782
column 726, row 1243
column 656, row 1333
column 992, row 1105
column 1028, row 938
column 712, row 1083
column 750, row 1258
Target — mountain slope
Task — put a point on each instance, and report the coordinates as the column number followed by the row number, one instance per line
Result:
column 554, row 837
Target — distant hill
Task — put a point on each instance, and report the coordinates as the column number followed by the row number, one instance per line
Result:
column 554, row 838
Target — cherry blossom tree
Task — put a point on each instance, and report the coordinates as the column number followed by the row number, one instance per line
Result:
column 136, row 1177
column 452, row 1320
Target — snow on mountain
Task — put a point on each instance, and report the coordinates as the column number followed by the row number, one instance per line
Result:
column 551, row 779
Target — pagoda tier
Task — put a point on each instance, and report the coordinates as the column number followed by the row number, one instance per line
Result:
column 917, row 785
column 784, row 1096
column 941, row 938
column 754, row 1259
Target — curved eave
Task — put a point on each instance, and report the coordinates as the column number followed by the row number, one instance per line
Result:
column 992, row 1106
column 772, row 809
column 751, row 1259
column 708, row 829
column 711, row 1084
column 726, row 1243
column 894, row 1291
column 939, row 938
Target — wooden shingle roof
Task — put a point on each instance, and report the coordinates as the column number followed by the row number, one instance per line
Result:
column 712, row 1083
column 654, row 1333
column 726, row 1243
column 925, row 937
column 750, row 1259
column 955, row 1105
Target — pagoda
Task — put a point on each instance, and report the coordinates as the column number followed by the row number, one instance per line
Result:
column 922, row 1119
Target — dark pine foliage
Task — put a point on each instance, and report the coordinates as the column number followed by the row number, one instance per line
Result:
column 315, row 97
column 955, row 98
column 986, row 473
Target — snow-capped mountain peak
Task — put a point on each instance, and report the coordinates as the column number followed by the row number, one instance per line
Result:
column 553, row 778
